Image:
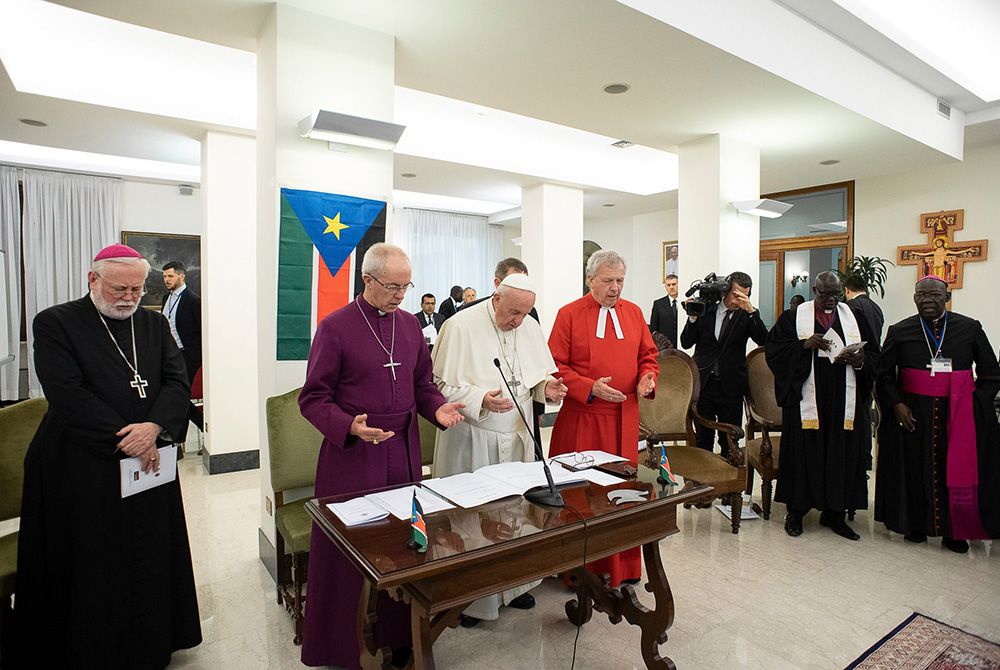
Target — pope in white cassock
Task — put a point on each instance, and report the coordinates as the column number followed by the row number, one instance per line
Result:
column 493, row 431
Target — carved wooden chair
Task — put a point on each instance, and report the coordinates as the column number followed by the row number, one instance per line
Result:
column 18, row 425
column 671, row 417
column 293, row 446
column 764, row 417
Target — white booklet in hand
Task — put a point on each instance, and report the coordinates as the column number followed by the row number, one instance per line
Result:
column 134, row 480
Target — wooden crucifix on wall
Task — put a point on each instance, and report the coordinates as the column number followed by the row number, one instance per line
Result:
column 942, row 256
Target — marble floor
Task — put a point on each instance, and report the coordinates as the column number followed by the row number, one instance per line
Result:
column 759, row 599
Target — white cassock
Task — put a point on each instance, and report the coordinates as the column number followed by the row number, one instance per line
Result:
column 464, row 371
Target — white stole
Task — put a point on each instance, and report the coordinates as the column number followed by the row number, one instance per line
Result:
column 602, row 323
column 805, row 319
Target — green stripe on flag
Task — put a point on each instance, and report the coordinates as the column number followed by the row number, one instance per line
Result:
column 295, row 271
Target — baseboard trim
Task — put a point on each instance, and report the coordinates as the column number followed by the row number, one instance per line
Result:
column 236, row 461
column 268, row 556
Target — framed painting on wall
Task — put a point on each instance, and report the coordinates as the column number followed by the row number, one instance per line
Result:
column 669, row 259
column 160, row 249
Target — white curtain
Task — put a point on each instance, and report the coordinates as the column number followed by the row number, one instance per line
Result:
column 10, row 244
column 68, row 218
column 446, row 250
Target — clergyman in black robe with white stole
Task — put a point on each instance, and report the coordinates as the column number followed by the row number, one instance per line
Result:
column 822, row 459
column 914, row 488
column 102, row 581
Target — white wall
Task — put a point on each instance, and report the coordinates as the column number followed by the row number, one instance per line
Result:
column 160, row 208
column 887, row 215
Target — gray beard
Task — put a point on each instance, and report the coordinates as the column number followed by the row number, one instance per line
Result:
column 108, row 308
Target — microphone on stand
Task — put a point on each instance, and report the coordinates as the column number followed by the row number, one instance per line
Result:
column 542, row 495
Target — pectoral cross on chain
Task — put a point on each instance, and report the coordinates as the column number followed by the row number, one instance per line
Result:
column 514, row 383
column 392, row 367
column 139, row 384
column 930, row 366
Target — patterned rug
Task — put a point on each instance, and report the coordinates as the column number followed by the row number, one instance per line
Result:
column 921, row 643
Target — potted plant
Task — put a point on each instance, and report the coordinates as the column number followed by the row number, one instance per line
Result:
column 872, row 269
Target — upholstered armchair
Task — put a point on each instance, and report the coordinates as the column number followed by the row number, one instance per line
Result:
column 672, row 417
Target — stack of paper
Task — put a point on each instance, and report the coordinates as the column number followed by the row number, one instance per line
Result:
column 399, row 502
column 493, row 482
column 357, row 511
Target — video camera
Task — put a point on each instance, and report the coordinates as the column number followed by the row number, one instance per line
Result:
column 710, row 291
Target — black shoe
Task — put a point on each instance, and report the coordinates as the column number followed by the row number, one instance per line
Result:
column 401, row 656
column 525, row 601
column 916, row 537
column 838, row 526
column 468, row 621
column 793, row 524
column 958, row 546
column 633, row 582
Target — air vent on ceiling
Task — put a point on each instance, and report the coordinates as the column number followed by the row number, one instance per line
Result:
column 944, row 109
column 621, row 144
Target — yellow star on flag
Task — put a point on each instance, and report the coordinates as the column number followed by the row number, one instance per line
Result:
column 334, row 225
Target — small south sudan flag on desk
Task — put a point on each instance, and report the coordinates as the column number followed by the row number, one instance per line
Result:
column 418, row 529
column 665, row 472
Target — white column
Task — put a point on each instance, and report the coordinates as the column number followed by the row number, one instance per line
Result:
column 713, row 236
column 229, row 318
column 306, row 62
column 552, row 246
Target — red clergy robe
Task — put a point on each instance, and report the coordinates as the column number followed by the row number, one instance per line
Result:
column 346, row 377
column 586, row 423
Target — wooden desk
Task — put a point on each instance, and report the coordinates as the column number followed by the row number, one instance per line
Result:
column 479, row 552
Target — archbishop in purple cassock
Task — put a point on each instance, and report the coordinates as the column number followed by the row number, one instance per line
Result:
column 368, row 376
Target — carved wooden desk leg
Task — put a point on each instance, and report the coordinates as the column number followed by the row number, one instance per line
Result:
column 580, row 611
column 423, row 641
column 372, row 657
column 593, row 593
column 653, row 623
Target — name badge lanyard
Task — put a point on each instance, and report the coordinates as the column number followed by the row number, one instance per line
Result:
column 929, row 337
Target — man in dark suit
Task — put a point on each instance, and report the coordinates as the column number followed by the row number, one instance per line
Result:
column 720, row 341
column 507, row 266
column 663, row 316
column 450, row 303
column 857, row 296
column 428, row 317
column 182, row 307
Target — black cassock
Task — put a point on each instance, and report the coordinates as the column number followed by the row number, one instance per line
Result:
column 102, row 581
column 910, row 489
column 820, row 469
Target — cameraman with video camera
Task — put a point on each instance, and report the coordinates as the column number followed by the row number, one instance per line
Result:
column 720, row 321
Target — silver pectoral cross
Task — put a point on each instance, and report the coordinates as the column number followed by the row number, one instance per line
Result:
column 139, row 384
column 392, row 367
column 514, row 383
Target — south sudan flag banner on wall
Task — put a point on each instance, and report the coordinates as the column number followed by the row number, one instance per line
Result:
column 321, row 242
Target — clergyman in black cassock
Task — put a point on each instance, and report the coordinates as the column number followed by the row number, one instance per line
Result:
column 822, row 464
column 912, row 491
column 104, row 581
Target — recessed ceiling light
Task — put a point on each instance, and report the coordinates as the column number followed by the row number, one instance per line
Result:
column 616, row 89
column 832, row 161
column 33, row 122
column 609, row 204
column 621, row 144
column 482, row 112
column 407, row 175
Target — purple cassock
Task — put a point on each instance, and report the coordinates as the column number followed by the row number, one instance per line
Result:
column 348, row 374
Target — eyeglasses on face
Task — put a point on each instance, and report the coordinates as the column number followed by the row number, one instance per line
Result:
column 122, row 291
column 828, row 294
column 920, row 295
column 394, row 288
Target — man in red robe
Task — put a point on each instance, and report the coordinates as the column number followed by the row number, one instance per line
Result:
column 368, row 376
column 607, row 359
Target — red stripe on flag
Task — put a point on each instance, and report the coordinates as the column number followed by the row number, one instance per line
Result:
column 332, row 291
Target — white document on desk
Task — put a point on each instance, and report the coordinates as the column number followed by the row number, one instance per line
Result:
column 471, row 489
column 358, row 511
column 596, row 457
column 600, row 478
column 524, row 476
column 399, row 502
column 134, row 480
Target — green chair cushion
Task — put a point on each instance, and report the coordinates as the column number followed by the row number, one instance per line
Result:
column 18, row 425
column 8, row 563
column 428, row 433
column 295, row 526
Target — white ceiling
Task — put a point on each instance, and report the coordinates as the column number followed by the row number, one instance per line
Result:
column 547, row 60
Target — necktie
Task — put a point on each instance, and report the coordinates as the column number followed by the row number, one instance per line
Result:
column 673, row 307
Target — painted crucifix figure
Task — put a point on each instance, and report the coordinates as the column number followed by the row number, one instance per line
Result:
column 941, row 256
